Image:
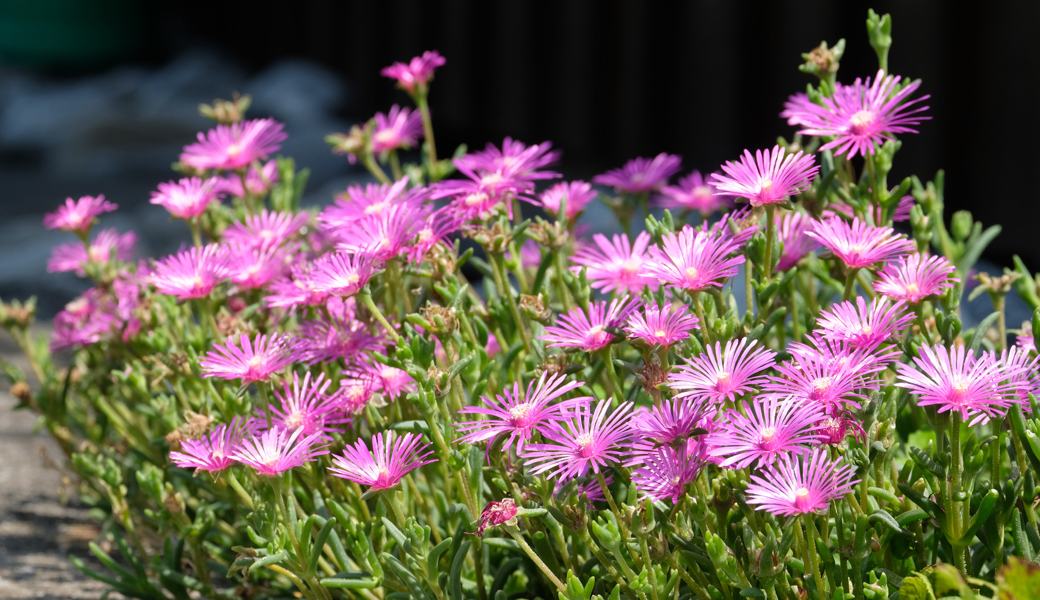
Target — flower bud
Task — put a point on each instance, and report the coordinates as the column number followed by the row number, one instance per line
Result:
column 227, row 112
column 960, row 225
column 536, row 307
column 21, row 391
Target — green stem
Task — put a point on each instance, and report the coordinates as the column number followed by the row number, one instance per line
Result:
column 395, row 166
column 651, row 572
column 850, row 285
column 196, row 234
column 267, row 403
column 427, row 125
column 235, row 485
column 613, row 508
column 800, row 546
column 616, row 387
column 515, row 533
column 366, row 299
column 505, row 289
column 998, row 303
column 373, row 167
column 719, row 301
column 606, row 562
column 394, row 504
column 767, row 258
column 814, row 557
column 697, row 589
column 705, row 329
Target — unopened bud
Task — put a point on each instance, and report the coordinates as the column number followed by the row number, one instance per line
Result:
column 536, row 307
column 21, row 391
column 227, row 112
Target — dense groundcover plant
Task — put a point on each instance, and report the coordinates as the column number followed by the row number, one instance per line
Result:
column 318, row 404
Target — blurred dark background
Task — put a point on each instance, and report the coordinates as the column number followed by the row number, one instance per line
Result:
column 98, row 96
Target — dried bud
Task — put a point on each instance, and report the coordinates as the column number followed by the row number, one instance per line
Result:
column 536, row 307
column 21, row 391
column 497, row 513
column 822, row 59
column 492, row 239
column 196, row 425
column 352, row 144
column 174, row 439
column 441, row 381
column 174, row 503
column 227, row 112
column 17, row 315
column 442, row 319
column 575, row 518
column 552, row 235
column 652, row 375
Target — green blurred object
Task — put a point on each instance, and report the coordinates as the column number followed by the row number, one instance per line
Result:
column 72, row 34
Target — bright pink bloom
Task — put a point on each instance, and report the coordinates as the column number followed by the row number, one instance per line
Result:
column 386, row 464
column 519, row 415
column 589, row 488
column 297, row 290
column 391, row 382
column 341, row 335
column 670, row 421
column 401, row 128
column 257, row 184
column 768, row 177
column 214, row 452
column 693, row 260
column 187, row 198
column 800, row 485
column 861, row 116
column 108, row 244
column 78, row 215
column 342, row 274
column 576, row 194
column 277, row 450
column 792, row 229
column 1025, row 340
column 354, row 394
column 583, row 438
column 823, row 378
column 265, row 230
column 772, row 427
column 436, row 229
column 382, row 236
column 85, row 320
column 589, row 332
column 795, row 109
column 837, row 207
column 192, row 273
column 514, row 162
column 615, row 264
column 372, row 200
column 641, row 174
column 860, row 245
column 718, row 375
column 692, row 193
column 862, row 326
column 248, row 361
column 666, row 473
column 306, row 407
column 915, row 277
column 955, row 380
column 236, row 145
column 253, row 268
column 418, row 73
column 662, row 326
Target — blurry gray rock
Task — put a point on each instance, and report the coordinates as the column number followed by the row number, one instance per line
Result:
column 296, row 92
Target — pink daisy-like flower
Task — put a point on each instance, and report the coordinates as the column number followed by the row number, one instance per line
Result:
column 354, row 394
column 213, row 452
column 837, row 207
column 576, row 195
column 187, row 198
column 858, row 244
column 400, row 128
column 588, row 332
column 692, row 193
column 824, row 379
column 865, row 327
column 915, row 277
column 306, row 406
column 257, row 183
column 660, row 325
column 767, row 177
column 340, row 335
column 641, row 174
column 383, row 236
column 358, row 203
column 519, row 415
column 669, row 421
column 583, row 438
column 590, row 488
column 435, row 229
column 792, row 230
column 391, row 382
column 248, row 361
column 796, row 485
column 772, row 427
column 863, row 115
column 955, row 380
column 108, row 244
column 735, row 228
column 1025, row 341
column 386, row 464
column 277, row 450
column 236, row 145
column 84, row 321
column 615, row 264
column 718, row 375
column 795, row 110
column 253, row 268
column 299, row 289
column 265, row 230
column 666, row 473
column 1020, row 367
column 693, row 260
column 514, row 162
column 342, row 274
column 417, row 73
column 192, row 273
column 78, row 216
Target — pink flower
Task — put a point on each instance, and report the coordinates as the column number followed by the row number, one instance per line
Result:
column 253, row 268
column 342, row 274
column 74, row 256
column 955, row 380
column 78, row 216
column 277, row 450
column 340, row 335
column 837, row 207
column 768, row 177
column 435, row 229
column 615, row 264
column 692, row 193
column 213, row 452
column 641, row 174
column 85, row 320
column 373, row 200
column 862, row 326
column 915, row 277
column 354, row 394
column 584, row 438
column 589, row 332
column 187, row 198
column 192, row 273
column 670, row 421
column 798, row 486
column 382, row 236
column 1025, row 340
column 234, row 146
column 248, row 361
column 666, row 473
column 515, row 162
column 306, row 407
column 418, row 73
column 861, row 116
column 497, row 513
column 386, row 464
column 519, row 415
column 826, row 378
column 297, row 290
column 772, row 427
column 401, row 128
column 391, row 382
column 265, row 230
column 860, row 245
column 795, row 110
column 693, row 260
column 718, row 375
column 576, row 195
column 792, row 229
column 257, row 184
column 663, row 326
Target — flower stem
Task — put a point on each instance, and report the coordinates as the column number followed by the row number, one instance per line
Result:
column 615, row 384
column 196, row 234
column 267, row 403
column 649, row 567
column 235, row 485
column 394, row 504
column 366, row 298
column 814, row 557
column 515, row 533
column 850, row 285
column 674, row 563
column 395, row 165
column 427, row 125
column 613, row 507
column 767, row 258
